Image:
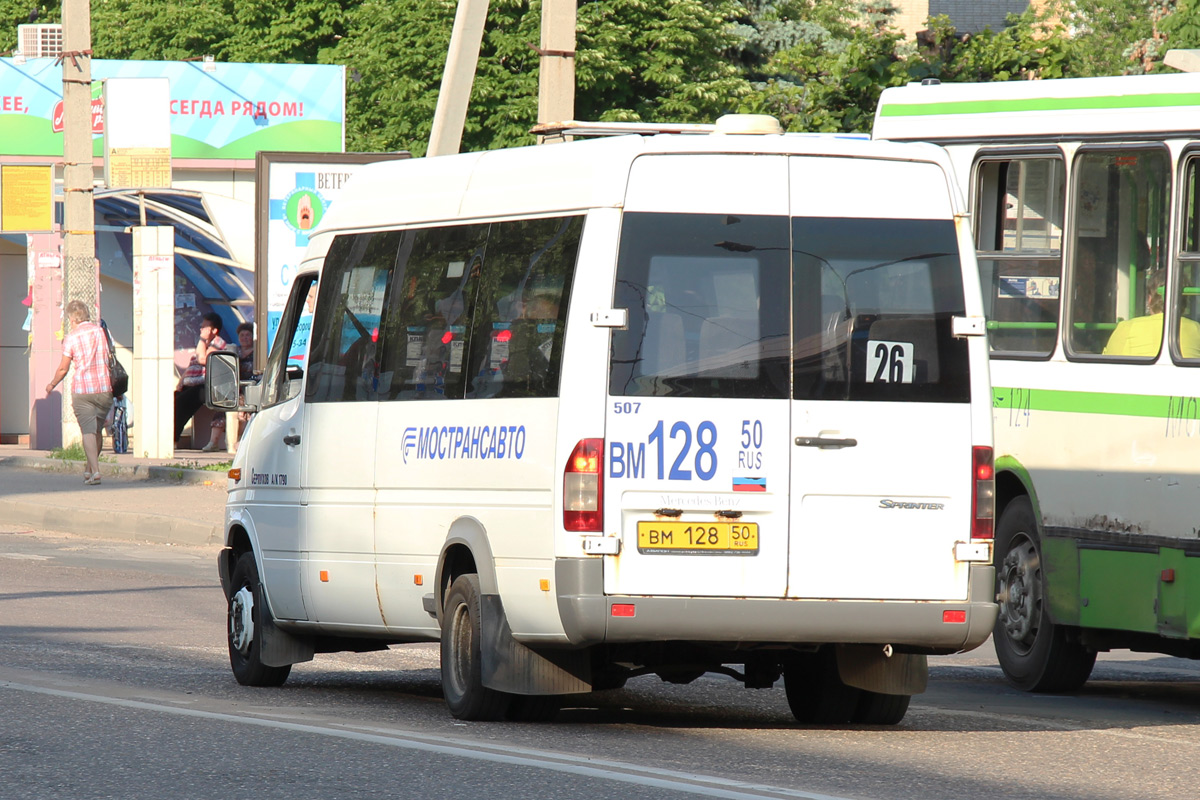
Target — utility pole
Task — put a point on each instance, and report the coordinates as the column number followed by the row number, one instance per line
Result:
column 556, row 68
column 451, row 113
column 80, row 273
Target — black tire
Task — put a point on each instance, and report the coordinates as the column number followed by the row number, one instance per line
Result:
column 815, row 691
column 1035, row 654
column 875, row 708
column 247, row 610
column 462, row 667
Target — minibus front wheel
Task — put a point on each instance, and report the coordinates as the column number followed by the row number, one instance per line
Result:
column 246, row 623
column 462, row 665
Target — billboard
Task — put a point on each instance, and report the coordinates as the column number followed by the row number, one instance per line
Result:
column 294, row 192
column 217, row 110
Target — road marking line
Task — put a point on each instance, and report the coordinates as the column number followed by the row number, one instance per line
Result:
column 617, row 771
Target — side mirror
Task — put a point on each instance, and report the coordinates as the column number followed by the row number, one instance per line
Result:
column 221, row 382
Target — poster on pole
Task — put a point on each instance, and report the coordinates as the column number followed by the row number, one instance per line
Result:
column 294, row 192
column 26, row 198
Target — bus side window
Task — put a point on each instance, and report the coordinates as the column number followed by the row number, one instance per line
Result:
column 1019, row 223
column 1186, row 312
column 1121, row 202
column 522, row 310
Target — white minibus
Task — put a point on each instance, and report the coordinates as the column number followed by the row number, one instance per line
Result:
column 662, row 404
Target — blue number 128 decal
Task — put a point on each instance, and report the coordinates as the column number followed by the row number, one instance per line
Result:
column 628, row 459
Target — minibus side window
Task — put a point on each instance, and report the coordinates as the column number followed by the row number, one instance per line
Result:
column 873, row 302
column 1118, row 253
column 426, row 332
column 522, row 310
column 343, row 362
column 282, row 375
column 707, row 296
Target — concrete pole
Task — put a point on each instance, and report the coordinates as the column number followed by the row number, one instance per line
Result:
column 152, row 384
column 81, row 275
column 451, row 113
column 556, row 68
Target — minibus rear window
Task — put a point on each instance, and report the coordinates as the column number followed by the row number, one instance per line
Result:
column 872, row 306
column 707, row 296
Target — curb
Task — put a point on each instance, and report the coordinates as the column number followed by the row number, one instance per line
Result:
column 142, row 471
column 125, row 525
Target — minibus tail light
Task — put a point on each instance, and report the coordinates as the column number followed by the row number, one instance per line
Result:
column 583, row 488
column 983, row 501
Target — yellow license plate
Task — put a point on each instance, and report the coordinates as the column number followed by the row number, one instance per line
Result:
column 705, row 538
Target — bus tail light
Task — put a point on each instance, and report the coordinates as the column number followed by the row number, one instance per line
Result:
column 983, row 501
column 583, row 488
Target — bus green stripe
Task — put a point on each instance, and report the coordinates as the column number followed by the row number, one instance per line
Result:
column 1042, row 104
column 1125, row 405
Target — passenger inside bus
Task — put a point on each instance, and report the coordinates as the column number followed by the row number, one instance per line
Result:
column 1141, row 336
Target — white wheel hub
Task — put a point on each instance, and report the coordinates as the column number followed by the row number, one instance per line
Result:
column 241, row 620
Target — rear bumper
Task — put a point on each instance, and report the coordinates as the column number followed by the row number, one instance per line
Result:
column 587, row 616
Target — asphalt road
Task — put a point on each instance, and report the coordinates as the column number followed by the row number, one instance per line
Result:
column 114, row 682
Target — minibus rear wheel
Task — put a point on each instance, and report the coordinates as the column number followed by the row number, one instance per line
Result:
column 815, row 691
column 247, row 612
column 462, row 666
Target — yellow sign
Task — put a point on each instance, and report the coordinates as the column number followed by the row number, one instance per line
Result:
column 26, row 198
column 139, row 168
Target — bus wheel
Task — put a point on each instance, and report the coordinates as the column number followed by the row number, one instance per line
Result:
column 246, row 612
column 875, row 708
column 462, row 665
column 815, row 691
column 1035, row 654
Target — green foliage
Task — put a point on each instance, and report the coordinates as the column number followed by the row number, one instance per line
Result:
column 395, row 55
column 1028, row 47
column 831, row 77
column 74, row 452
column 268, row 31
column 1182, row 28
column 18, row 12
column 1104, row 34
column 656, row 61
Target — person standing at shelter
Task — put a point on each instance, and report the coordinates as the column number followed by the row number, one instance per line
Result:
column 189, row 394
column 86, row 347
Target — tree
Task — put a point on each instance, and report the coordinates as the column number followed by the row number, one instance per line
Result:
column 24, row 12
column 822, row 68
column 636, row 60
column 1100, row 34
column 656, row 60
column 1029, row 47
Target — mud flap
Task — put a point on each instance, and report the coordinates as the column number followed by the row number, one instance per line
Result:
column 869, row 667
column 279, row 648
column 510, row 666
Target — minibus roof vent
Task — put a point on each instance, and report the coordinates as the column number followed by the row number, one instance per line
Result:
column 757, row 124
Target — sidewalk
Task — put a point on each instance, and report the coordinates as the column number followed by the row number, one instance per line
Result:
column 172, row 501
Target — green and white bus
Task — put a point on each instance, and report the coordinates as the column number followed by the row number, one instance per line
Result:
column 1083, row 195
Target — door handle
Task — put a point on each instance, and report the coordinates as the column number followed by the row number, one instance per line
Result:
column 825, row 442
column 291, row 440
